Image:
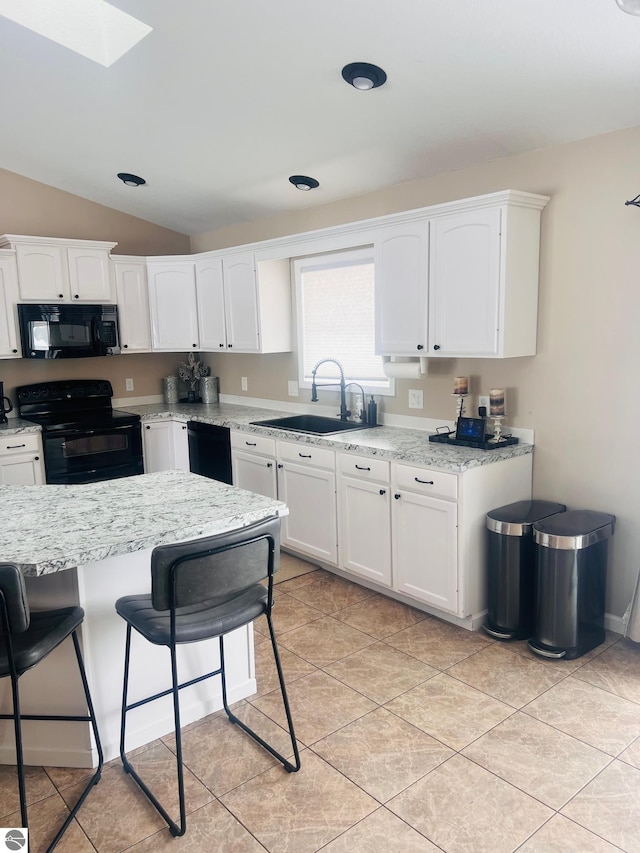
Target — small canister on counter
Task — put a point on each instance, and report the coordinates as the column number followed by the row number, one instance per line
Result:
column 209, row 389
column 170, row 389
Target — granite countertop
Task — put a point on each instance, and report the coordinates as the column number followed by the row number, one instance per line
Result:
column 15, row 426
column 384, row 442
column 45, row 529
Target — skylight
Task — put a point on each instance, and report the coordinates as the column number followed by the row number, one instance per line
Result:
column 93, row 28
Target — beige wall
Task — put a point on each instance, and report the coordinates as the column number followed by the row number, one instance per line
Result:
column 580, row 393
column 29, row 207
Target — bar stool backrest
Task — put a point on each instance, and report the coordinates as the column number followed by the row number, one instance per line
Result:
column 14, row 596
column 214, row 569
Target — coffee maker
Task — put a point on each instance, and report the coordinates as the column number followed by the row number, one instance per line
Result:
column 5, row 405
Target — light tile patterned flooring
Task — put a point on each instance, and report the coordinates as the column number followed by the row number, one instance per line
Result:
column 415, row 736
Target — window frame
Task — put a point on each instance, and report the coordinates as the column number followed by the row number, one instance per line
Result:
column 326, row 259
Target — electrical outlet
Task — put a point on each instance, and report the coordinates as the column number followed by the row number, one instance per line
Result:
column 293, row 388
column 128, row 384
column 415, row 399
column 484, row 401
column 244, row 383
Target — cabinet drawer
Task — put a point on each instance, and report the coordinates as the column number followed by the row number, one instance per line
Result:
column 21, row 443
column 364, row 466
column 427, row 482
column 253, row 443
column 307, row 454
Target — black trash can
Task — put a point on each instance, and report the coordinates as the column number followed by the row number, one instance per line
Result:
column 511, row 567
column 571, row 577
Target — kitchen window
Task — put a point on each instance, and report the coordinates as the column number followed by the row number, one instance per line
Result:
column 336, row 319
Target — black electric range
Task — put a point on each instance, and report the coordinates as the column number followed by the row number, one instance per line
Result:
column 85, row 440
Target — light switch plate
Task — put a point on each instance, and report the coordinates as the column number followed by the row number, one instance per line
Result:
column 416, row 399
column 484, row 401
column 128, row 384
column 293, row 388
column 243, row 383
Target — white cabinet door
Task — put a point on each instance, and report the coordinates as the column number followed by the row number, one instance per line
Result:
column 165, row 446
column 9, row 337
column 89, row 275
column 464, row 284
column 21, row 470
column 173, row 303
column 401, row 268
column 364, row 529
column 210, row 293
column 42, row 273
column 310, row 495
column 254, row 473
column 21, row 460
column 133, row 306
column 241, row 303
column 425, row 549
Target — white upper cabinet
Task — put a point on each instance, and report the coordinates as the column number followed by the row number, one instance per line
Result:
column 173, row 304
column 464, row 284
column 463, row 281
column 9, row 338
column 244, row 305
column 212, row 327
column 54, row 270
column 133, row 304
column 241, row 303
column 401, row 256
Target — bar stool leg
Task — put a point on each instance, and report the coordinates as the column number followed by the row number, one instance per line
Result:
column 19, row 751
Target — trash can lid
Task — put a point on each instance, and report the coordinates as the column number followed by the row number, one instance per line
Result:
column 518, row 518
column 578, row 528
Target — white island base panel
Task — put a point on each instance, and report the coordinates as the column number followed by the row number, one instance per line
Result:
column 54, row 686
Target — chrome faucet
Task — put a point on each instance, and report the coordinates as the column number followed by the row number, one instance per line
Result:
column 344, row 412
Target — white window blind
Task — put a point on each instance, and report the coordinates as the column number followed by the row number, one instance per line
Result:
column 335, row 295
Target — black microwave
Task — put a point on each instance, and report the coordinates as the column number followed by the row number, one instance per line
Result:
column 68, row 331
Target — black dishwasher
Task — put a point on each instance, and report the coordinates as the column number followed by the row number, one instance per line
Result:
column 210, row 451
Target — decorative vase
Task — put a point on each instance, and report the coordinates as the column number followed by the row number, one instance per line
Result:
column 170, row 389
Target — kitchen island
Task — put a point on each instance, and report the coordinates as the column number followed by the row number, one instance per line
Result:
column 88, row 545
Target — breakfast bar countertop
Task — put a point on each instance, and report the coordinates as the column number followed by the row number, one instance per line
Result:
column 45, row 529
column 401, row 444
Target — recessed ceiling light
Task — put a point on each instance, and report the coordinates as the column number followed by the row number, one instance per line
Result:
column 131, row 180
column 363, row 75
column 93, row 28
column 302, row 182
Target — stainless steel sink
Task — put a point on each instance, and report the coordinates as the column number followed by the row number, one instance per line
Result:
column 312, row 424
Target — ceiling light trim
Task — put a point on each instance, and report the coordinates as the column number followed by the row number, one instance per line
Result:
column 304, row 182
column 364, row 76
column 131, row 180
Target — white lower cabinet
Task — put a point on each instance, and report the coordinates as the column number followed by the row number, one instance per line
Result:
column 417, row 533
column 307, row 484
column 165, row 446
column 253, row 462
column 21, row 460
column 425, row 549
column 364, row 522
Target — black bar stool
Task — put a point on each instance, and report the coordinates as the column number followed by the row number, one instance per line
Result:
column 25, row 639
column 200, row 590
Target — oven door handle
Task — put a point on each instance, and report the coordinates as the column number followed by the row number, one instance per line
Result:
column 68, row 433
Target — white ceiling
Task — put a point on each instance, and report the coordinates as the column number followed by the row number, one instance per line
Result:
column 227, row 98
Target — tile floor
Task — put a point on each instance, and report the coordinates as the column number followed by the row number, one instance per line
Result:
column 415, row 736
